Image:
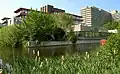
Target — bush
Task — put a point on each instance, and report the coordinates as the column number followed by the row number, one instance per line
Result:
column 10, row 36
column 72, row 37
column 112, row 48
column 59, row 34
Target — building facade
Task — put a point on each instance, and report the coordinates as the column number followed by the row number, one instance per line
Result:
column 20, row 14
column 95, row 17
column 77, row 19
column 115, row 15
column 6, row 21
column 51, row 9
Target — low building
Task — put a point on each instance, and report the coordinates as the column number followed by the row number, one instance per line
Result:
column 6, row 21
column 1, row 25
column 81, row 27
column 51, row 9
column 77, row 19
column 20, row 14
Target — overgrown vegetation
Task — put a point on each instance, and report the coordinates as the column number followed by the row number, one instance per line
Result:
column 75, row 64
column 106, row 61
column 72, row 37
column 112, row 25
column 10, row 36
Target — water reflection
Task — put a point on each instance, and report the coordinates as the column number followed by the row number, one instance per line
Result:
column 60, row 50
column 5, row 53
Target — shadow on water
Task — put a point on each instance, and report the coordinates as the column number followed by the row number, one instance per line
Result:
column 6, row 53
column 61, row 50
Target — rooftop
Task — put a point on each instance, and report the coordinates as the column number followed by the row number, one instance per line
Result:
column 74, row 15
column 5, row 18
column 18, row 10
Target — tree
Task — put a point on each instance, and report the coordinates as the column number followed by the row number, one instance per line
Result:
column 72, row 37
column 63, row 21
column 37, row 26
column 10, row 36
column 112, row 25
column 112, row 48
column 59, row 34
column 43, row 27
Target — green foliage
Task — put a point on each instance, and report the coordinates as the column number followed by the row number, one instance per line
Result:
column 10, row 36
column 75, row 64
column 106, row 61
column 112, row 47
column 59, row 34
column 44, row 27
column 36, row 26
column 72, row 37
column 112, row 25
column 63, row 21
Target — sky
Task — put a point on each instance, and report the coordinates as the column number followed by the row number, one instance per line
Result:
column 7, row 7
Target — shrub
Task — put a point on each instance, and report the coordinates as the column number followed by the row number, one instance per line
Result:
column 10, row 36
column 72, row 37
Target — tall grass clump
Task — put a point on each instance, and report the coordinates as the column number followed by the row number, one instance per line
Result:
column 75, row 64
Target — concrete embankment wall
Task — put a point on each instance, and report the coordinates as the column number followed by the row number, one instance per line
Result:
column 59, row 43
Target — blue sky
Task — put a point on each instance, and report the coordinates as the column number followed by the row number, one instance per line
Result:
column 7, row 7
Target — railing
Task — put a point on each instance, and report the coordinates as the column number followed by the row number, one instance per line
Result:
column 62, row 43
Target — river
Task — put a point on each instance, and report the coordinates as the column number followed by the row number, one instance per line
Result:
column 5, row 53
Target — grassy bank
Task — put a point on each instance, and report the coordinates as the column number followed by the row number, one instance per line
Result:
column 70, row 64
column 105, row 61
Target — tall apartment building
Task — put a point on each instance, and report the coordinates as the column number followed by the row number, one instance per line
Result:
column 95, row 17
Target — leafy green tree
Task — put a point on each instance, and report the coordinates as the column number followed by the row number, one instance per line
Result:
column 10, row 36
column 37, row 26
column 112, row 25
column 59, row 34
column 112, row 47
column 41, row 26
column 63, row 21
column 72, row 37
